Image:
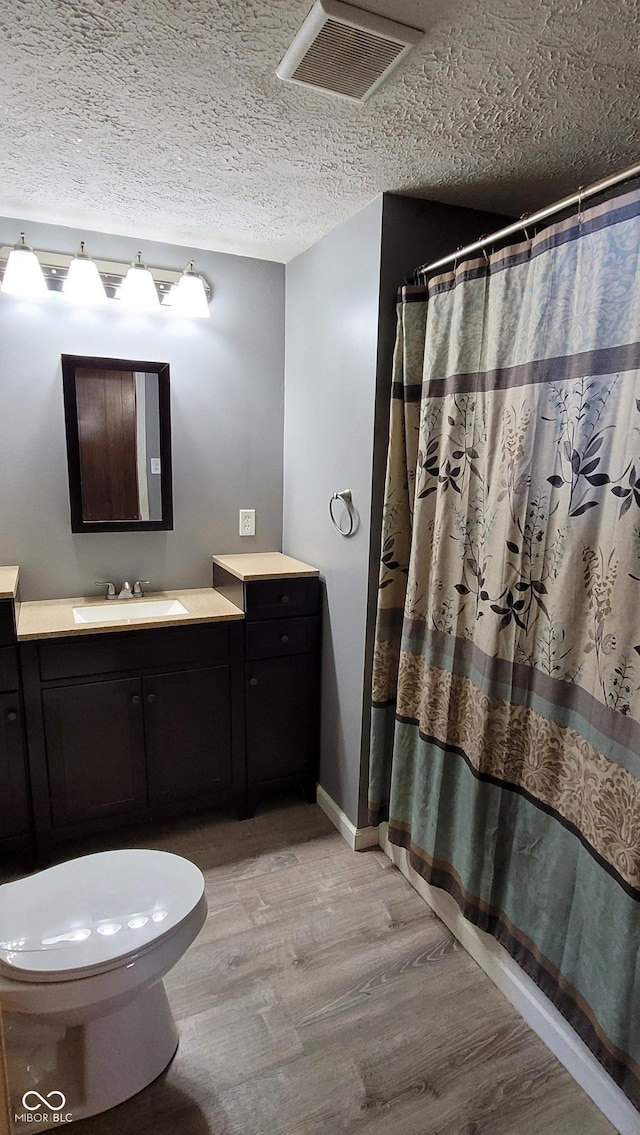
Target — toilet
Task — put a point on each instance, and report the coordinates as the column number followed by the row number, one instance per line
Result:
column 84, row 948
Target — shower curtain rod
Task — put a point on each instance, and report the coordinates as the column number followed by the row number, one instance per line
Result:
column 533, row 218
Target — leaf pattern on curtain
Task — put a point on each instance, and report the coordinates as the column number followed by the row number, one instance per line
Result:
column 495, row 526
column 506, row 686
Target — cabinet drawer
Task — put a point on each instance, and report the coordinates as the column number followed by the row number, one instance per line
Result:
column 282, row 636
column 270, row 598
column 136, row 650
column 8, row 668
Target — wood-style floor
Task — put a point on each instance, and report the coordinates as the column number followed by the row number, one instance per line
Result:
column 323, row 997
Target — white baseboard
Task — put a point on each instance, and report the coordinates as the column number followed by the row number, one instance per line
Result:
column 357, row 838
column 524, row 995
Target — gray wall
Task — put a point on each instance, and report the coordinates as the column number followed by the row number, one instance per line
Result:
column 331, row 343
column 340, row 333
column 226, row 407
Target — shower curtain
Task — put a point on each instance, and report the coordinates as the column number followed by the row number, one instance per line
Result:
column 506, row 686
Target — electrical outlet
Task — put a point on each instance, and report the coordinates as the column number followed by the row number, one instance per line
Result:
column 247, row 521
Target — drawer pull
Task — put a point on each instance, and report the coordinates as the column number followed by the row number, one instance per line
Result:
column 253, row 681
column 12, row 715
column 151, row 698
column 284, row 599
column 135, row 699
column 284, row 638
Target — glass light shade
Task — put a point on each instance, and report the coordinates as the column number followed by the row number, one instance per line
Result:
column 83, row 284
column 23, row 274
column 138, row 290
column 189, row 298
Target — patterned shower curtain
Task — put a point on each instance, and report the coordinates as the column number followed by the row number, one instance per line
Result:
column 506, row 690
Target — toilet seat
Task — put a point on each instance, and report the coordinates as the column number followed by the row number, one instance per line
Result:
column 94, row 914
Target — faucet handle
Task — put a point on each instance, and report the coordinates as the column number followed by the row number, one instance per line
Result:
column 111, row 588
column 138, row 585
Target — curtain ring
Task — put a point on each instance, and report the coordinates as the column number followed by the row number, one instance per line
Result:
column 580, row 213
column 524, row 227
column 346, row 500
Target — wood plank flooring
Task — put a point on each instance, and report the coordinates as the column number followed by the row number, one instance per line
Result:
column 323, row 997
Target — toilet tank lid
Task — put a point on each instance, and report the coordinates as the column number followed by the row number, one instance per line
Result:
column 92, row 911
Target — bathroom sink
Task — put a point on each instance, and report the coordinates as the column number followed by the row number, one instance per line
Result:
column 129, row 611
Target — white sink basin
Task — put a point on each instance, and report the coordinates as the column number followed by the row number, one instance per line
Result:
column 130, row 611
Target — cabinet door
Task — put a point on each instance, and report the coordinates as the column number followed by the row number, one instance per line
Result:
column 14, row 807
column 282, row 717
column 188, row 733
column 95, row 749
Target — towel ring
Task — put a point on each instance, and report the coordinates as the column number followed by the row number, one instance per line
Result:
column 345, row 498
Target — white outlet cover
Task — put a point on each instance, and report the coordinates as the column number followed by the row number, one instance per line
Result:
column 247, row 526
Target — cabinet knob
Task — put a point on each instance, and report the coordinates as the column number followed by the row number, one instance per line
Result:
column 135, row 699
column 284, row 599
column 151, row 698
column 12, row 715
column 253, row 681
column 284, row 638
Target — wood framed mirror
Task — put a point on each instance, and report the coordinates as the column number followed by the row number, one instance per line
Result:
column 118, row 424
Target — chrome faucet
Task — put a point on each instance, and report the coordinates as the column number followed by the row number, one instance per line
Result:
column 126, row 591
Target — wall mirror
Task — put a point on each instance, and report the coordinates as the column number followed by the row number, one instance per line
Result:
column 117, row 416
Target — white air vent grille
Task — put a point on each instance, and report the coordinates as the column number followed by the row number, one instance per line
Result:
column 345, row 60
column 346, row 51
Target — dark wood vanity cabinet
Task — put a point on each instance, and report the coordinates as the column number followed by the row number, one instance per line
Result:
column 14, row 795
column 15, row 812
column 188, row 715
column 282, row 676
column 132, row 726
column 282, row 679
column 282, row 709
column 127, row 726
column 156, row 739
column 94, row 736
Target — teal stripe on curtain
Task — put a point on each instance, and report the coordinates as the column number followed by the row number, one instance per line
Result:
column 547, row 886
column 505, row 744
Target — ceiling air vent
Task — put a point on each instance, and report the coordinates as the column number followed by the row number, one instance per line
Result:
column 346, row 51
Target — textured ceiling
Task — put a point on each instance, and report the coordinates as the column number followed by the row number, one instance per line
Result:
column 164, row 118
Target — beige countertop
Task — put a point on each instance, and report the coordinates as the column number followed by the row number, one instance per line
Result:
column 9, row 582
column 263, row 565
column 52, row 618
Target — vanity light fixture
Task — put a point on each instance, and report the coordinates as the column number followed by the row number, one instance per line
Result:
column 189, row 297
column 83, row 284
column 138, row 290
column 23, row 274
column 83, row 280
